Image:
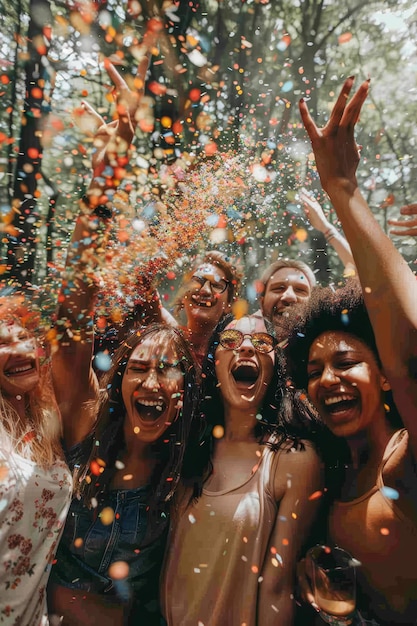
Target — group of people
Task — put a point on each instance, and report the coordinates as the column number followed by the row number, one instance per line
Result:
column 184, row 485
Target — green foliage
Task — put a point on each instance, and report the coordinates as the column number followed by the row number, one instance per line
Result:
column 250, row 62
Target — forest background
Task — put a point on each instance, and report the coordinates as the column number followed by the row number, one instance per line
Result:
column 219, row 153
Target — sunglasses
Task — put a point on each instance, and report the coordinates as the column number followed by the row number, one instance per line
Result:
column 218, row 286
column 232, row 339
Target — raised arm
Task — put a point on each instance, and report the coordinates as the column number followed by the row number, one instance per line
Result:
column 75, row 383
column 319, row 221
column 389, row 285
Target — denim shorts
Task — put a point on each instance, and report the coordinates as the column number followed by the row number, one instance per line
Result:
column 88, row 548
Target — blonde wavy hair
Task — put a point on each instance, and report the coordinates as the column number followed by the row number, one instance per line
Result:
column 38, row 438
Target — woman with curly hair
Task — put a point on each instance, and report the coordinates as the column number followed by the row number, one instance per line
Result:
column 371, row 474
column 35, row 483
column 233, row 552
column 351, row 363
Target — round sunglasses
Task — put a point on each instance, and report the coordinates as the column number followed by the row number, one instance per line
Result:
column 232, row 339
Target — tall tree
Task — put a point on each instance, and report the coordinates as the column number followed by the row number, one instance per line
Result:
column 22, row 242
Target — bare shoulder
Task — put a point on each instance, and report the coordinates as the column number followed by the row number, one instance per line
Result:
column 298, row 469
column 304, row 455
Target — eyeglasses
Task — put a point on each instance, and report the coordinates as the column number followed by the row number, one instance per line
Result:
column 217, row 286
column 232, row 339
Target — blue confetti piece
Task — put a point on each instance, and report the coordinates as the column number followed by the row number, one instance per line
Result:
column 390, row 493
column 102, row 361
column 287, row 86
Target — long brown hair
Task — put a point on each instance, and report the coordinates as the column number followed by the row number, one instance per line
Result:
column 107, row 442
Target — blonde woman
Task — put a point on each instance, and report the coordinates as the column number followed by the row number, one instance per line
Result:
column 35, row 483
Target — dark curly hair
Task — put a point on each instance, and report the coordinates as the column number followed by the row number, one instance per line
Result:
column 285, row 414
column 327, row 310
column 330, row 310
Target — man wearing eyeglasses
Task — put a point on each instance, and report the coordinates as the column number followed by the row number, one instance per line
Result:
column 207, row 294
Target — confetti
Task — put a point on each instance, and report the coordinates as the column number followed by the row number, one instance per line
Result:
column 390, row 493
column 119, row 570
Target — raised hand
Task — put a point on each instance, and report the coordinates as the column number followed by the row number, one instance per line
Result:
column 406, row 228
column 112, row 141
column 335, row 149
column 318, row 220
column 313, row 210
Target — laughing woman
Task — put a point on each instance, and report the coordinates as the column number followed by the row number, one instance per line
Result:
column 371, row 466
column 232, row 553
column 35, row 483
column 350, row 367
column 109, row 559
column 126, row 444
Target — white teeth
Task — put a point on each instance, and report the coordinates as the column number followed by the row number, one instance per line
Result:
column 19, row 370
column 246, row 363
column 335, row 399
column 153, row 403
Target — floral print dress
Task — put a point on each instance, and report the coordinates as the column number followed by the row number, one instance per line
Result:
column 33, row 507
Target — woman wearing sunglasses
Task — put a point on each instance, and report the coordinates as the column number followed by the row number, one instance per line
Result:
column 233, row 552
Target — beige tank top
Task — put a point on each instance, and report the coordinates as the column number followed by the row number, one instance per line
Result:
column 216, row 553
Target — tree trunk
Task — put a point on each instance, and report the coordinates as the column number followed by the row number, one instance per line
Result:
column 22, row 247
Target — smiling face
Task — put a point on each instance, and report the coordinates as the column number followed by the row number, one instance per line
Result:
column 286, row 287
column 244, row 373
column 204, row 302
column 152, row 388
column 345, row 383
column 19, row 362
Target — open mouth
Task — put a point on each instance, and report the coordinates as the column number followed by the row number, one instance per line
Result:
column 339, row 406
column 21, row 368
column 150, row 410
column 202, row 303
column 245, row 373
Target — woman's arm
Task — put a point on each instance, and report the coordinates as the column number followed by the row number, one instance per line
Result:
column 389, row 285
column 297, row 478
column 319, row 221
column 75, row 383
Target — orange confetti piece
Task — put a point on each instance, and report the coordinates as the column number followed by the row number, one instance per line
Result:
column 315, row 495
column 157, row 89
column 345, row 37
column 95, row 468
column 210, row 148
column 195, row 94
column 301, row 234
column 33, row 153
column 36, row 92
